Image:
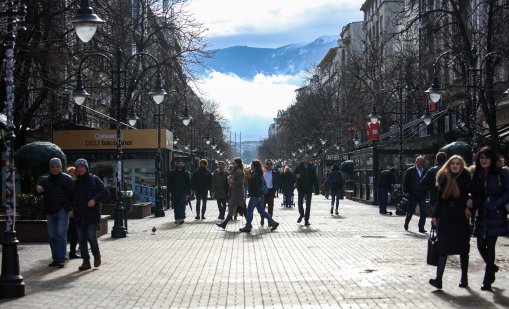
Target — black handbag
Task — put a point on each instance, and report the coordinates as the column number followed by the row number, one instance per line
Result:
column 432, row 256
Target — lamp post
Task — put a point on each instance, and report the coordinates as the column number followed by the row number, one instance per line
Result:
column 83, row 22
column 11, row 282
column 473, row 85
column 374, row 116
column 158, row 96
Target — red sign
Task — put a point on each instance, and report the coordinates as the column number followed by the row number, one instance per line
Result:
column 432, row 106
column 373, row 131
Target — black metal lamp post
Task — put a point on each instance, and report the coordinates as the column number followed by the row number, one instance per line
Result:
column 81, row 21
column 375, row 116
column 158, row 94
column 11, row 282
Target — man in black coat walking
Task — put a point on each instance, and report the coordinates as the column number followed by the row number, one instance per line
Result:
column 201, row 182
column 415, row 192
column 179, row 185
column 307, row 180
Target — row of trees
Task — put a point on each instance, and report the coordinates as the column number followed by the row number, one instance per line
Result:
column 48, row 53
column 393, row 71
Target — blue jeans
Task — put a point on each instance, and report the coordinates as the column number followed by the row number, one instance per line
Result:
column 335, row 195
column 58, row 224
column 256, row 202
column 413, row 200
column 221, row 206
column 87, row 234
column 179, row 201
column 382, row 198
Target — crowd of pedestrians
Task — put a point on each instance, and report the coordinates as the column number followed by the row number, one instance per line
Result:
column 462, row 201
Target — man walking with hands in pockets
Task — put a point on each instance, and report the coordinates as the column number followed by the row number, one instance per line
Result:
column 307, row 180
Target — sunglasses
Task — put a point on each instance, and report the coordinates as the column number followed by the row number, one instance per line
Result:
column 268, row 164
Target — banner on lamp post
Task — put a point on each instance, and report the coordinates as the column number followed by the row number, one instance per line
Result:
column 373, row 130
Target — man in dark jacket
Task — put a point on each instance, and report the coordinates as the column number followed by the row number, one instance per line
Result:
column 89, row 192
column 428, row 182
column 415, row 193
column 220, row 188
column 386, row 179
column 307, row 180
column 201, row 182
column 56, row 189
column 179, row 184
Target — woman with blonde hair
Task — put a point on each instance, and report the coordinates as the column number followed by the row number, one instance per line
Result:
column 451, row 217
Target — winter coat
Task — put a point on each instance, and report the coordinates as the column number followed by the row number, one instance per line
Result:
column 86, row 188
column 428, row 183
column 201, row 181
column 236, row 192
column 453, row 228
column 336, row 181
column 287, row 181
column 386, row 179
column 308, row 179
column 490, row 196
column 220, row 184
column 255, row 185
column 57, row 193
column 179, row 182
column 411, row 182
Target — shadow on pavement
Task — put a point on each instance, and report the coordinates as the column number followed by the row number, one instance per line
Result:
column 471, row 301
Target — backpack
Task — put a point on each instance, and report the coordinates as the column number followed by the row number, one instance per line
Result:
column 264, row 188
column 336, row 181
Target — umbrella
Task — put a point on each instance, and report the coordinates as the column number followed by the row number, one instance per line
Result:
column 347, row 166
column 458, row 148
column 34, row 158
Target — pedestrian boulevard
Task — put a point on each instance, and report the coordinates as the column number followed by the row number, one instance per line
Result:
column 359, row 259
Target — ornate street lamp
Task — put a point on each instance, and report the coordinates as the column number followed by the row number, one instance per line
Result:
column 80, row 94
column 158, row 94
column 85, row 22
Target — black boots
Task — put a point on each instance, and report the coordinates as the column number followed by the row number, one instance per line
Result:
column 464, row 271
column 224, row 223
column 273, row 225
column 437, row 282
column 246, row 229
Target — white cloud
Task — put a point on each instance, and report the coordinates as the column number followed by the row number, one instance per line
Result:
column 234, row 17
column 263, row 96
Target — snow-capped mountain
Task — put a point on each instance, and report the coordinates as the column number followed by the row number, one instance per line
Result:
column 291, row 59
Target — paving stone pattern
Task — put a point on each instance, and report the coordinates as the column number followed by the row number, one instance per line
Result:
column 359, row 259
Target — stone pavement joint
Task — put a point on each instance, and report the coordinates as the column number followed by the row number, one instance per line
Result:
column 358, row 259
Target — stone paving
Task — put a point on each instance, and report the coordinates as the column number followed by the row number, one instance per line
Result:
column 359, row 259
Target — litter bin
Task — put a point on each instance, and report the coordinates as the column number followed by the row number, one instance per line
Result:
column 127, row 203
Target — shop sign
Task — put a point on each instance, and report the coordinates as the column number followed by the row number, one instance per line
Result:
column 107, row 139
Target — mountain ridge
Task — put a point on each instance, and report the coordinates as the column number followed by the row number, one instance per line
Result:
column 246, row 62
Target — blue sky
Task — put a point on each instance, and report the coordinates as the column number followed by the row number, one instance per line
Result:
column 270, row 24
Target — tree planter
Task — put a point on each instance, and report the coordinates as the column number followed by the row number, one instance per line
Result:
column 138, row 211
column 37, row 230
